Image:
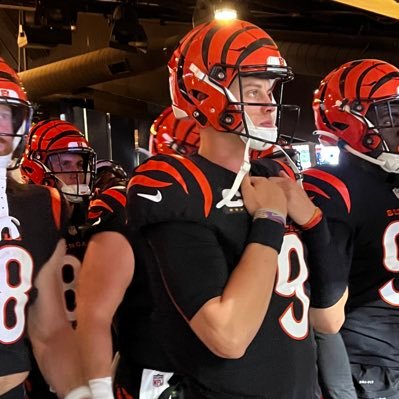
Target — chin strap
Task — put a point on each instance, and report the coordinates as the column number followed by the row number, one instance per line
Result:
column 389, row 162
column 386, row 161
column 244, row 169
column 322, row 133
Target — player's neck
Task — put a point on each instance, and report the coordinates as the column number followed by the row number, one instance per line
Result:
column 223, row 149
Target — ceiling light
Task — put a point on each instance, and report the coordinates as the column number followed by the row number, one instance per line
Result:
column 225, row 14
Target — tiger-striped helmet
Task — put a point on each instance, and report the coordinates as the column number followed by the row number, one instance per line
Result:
column 16, row 108
column 356, row 102
column 42, row 160
column 170, row 135
column 205, row 64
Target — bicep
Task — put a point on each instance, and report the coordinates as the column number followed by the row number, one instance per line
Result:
column 191, row 262
column 106, row 272
column 47, row 313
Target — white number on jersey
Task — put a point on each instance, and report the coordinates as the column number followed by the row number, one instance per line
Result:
column 69, row 286
column 13, row 256
column 287, row 287
column 388, row 292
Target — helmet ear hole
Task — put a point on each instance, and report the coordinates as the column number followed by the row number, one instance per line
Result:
column 199, row 95
column 339, row 125
column 200, row 117
column 357, row 106
column 372, row 141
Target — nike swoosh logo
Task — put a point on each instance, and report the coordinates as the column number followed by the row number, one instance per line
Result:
column 152, row 197
column 98, row 221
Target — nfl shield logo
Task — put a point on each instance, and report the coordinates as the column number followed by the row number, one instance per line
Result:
column 157, row 380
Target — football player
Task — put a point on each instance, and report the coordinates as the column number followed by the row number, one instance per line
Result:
column 107, row 270
column 32, row 222
column 357, row 108
column 226, row 271
column 58, row 155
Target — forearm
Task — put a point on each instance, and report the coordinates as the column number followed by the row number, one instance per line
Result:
column 246, row 298
column 53, row 339
column 232, row 320
column 95, row 345
column 59, row 361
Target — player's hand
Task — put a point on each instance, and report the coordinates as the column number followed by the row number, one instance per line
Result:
column 260, row 192
column 300, row 207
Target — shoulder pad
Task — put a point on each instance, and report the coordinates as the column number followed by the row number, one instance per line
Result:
column 107, row 211
column 168, row 187
column 324, row 187
column 264, row 167
column 268, row 167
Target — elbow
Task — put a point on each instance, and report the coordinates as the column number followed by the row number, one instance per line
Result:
column 328, row 325
column 327, row 328
column 329, row 320
column 228, row 347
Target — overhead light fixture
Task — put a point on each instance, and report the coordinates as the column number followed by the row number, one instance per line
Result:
column 221, row 10
column 225, row 14
column 225, row 11
column 50, row 24
column 127, row 33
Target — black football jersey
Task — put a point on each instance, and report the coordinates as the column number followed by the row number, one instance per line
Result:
column 107, row 211
column 76, row 247
column 361, row 202
column 280, row 361
column 29, row 235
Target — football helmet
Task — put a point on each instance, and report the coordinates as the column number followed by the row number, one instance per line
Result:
column 357, row 108
column 109, row 174
column 44, row 161
column 173, row 136
column 205, row 64
column 13, row 98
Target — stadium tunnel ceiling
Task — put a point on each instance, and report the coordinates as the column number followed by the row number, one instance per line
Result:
column 314, row 36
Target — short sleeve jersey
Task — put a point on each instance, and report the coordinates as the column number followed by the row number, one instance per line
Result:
column 168, row 191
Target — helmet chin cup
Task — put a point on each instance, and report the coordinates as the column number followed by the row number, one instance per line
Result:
column 261, row 138
column 75, row 192
column 256, row 144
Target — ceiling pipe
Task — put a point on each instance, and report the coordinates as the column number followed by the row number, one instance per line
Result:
column 108, row 64
column 95, row 67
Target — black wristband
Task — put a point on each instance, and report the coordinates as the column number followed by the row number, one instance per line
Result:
column 267, row 232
